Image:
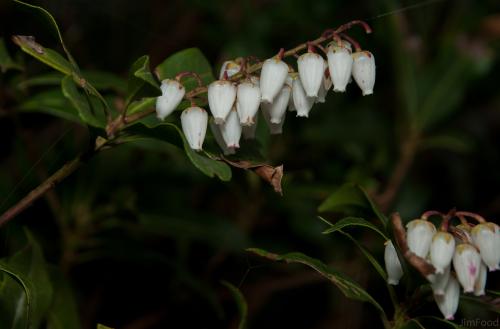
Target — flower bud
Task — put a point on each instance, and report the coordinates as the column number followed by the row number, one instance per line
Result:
column 272, row 77
column 274, row 128
column 172, row 93
column 466, row 262
column 439, row 281
column 486, row 237
column 247, row 102
column 363, row 71
column 215, row 128
column 481, row 280
column 277, row 109
column 231, row 130
column 448, row 303
column 311, row 71
column 340, row 65
column 221, row 97
column 442, row 250
column 194, row 122
column 419, row 236
column 302, row 103
column 392, row 264
column 230, row 67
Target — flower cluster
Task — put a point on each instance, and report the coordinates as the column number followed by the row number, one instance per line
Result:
column 470, row 250
column 235, row 99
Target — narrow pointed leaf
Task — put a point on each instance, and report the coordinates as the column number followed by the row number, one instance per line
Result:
column 352, row 221
column 240, row 301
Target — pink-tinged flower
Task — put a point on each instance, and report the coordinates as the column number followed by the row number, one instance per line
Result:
column 231, row 130
column 172, row 93
column 481, row 280
column 486, row 237
column 392, row 264
column 221, row 97
column 442, row 250
column 339, row 64
column 272, row 77
column 230, row 68
column 466, row 262
column 247, row 102
column 194, row 122
column 311, row 71
column 363, row 71
column 448, row 302
column 419, row 236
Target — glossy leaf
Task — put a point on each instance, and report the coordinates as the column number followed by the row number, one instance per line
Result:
column 240, row 301
column 192, row 60
column 44, row 55
column 348, row 287
column 351, row 196
column 141, row 81
column 352, row 221
column 51, row 102
column 63, row 313
column 9, row 294
column 6, row 62
column 29, row 263
column 170, row 133
column 91, row 112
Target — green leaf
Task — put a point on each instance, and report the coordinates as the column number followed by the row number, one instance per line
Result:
column 352, row 221
column 435, row 322
column 141, row 81
column 47, row 79
column 44, row 55
column 141, row 105
column 51, row 102
column 6, row 62
column 240, row 301
column 187, row 60
column 10, row 293
column 63, row 313
column 44, row 14
column 170, row 133
column 350, row 196
column 348, row 287
column 90, row 110
column 105, row 80
column 376, row 265
column 457, row 143
column 29, row 263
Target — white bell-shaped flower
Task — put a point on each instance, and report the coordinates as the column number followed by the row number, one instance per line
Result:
column 249, row 131
column 467, row 262
column 419, row 236
column 277, row 109
column 194, row 122
column 301, row 102
column 247, row 102
column 272, row 77
column 340, row 64
column 480, row 284
column 221, row 97
column 439, row 281
column 311, row 71
column 274, row 128
column 231, row 130
column 323, row 89
column 442, row 250
column 172, row 92
column 486, row 237
column 215, row 128
column 392, row 264
column 448, row 302
column 363, row 71
column 230, row 68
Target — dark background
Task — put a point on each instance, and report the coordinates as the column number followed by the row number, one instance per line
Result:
column 145, row 238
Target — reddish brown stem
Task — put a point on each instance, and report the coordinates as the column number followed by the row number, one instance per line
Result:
column 353, row 42
column 472, row 215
